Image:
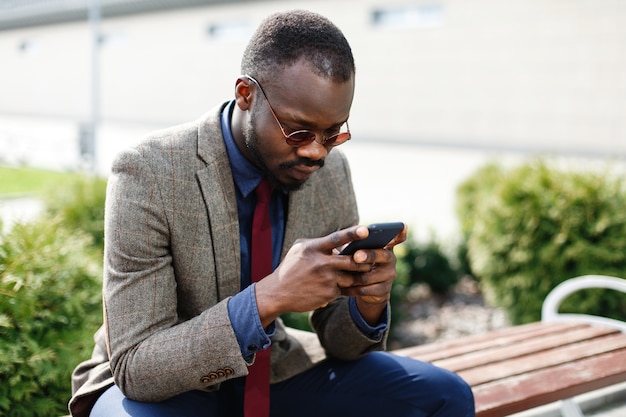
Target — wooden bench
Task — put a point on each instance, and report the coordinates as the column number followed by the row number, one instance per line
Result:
column 526, row 366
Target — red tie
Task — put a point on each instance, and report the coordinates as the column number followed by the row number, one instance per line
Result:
column 257, row 393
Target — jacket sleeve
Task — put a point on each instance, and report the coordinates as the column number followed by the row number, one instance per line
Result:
column 340, row 336
column 154, row 352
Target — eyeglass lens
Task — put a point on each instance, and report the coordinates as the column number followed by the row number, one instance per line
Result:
column 303, row 137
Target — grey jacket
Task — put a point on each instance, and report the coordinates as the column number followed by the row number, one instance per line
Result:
column 172, row 262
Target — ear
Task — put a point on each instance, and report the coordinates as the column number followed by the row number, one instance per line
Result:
column 243, row 94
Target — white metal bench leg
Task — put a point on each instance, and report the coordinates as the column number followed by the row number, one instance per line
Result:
column 570, row 408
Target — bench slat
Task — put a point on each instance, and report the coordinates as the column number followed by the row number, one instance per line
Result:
column 542, row 360
column 511, row 395
column 529, row 346
column 441, row 350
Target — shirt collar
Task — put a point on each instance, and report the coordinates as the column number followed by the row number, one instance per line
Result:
column 245, row 175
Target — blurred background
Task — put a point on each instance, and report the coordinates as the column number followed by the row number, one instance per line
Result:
column 495, row 129
column 442, row 85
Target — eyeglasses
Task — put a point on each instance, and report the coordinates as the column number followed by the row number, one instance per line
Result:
column 304, row 137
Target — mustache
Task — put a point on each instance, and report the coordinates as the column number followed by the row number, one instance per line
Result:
column 302, row 161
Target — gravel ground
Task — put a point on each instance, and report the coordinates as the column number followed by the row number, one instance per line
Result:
column 428, row 317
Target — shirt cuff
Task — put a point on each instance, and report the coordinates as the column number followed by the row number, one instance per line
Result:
column 373, row 332
column 244, row 317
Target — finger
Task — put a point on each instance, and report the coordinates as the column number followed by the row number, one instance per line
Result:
column 353, row 274
column 345, row 280
column 374, row 256
column 399, row 238
column 340, row 238
column 361, row 280
column 374, row 291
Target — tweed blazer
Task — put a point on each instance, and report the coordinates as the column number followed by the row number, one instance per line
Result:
column 172, row 261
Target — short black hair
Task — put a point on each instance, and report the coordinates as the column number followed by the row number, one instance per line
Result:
column 284, row 38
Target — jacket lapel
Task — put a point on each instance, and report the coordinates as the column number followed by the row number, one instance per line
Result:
column 218, row 192
column 301, row 215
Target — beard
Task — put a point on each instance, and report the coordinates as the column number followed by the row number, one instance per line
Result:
column 252, row 141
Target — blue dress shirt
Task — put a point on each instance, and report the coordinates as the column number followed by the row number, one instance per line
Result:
column 242, row 308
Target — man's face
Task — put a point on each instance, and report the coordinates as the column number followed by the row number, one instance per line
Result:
column 301, row 100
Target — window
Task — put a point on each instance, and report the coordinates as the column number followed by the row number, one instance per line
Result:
column 28, row 47
column 406, row 17
column 229, row 31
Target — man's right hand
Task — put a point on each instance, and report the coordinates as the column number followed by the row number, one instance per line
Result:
column 310, row 276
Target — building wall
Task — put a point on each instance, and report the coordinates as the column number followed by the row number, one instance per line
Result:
column 473, row 80
column 524, row 74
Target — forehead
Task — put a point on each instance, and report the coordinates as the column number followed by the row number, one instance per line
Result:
column 299, row 93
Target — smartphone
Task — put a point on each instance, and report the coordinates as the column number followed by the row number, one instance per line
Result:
column 380, row 235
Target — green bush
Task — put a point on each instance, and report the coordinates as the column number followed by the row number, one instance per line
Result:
column 532, row 227
column 474, row 192
column 427, row 263
column 50, row 280
column 297, row 320
column 79, row 200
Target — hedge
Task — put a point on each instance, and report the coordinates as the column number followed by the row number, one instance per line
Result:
column 50, row 279
column 531, row 227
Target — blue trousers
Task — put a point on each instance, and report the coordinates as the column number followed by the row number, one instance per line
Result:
column 379, row 384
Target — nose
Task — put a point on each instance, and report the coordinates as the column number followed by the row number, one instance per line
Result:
column 314, row 151
column 321, row 139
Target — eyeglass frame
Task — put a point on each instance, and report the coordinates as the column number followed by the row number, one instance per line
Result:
column 289, row 138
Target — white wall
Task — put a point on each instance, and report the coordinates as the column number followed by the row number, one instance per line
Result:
column 472, row 80
column 514, row 74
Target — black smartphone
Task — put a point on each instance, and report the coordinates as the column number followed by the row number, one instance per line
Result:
column 380, row 235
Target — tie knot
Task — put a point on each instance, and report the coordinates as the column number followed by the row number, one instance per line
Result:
column 263, row 191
